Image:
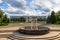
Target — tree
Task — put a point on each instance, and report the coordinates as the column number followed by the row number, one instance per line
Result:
column 58, row 16
column 52, row 18
column 5, row 19
column 1, row 13
column 48, row 19
column 22, row 19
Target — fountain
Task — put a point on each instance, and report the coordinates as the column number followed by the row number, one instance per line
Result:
column 34, row 29
column 34, row 32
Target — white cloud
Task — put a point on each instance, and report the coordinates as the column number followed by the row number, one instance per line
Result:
column 57, row 1
column 11, row 9
column 1, row 1
column 36, row 7
column 56, row 9
column 22, row 1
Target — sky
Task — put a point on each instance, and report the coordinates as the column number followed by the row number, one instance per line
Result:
column 29, row 7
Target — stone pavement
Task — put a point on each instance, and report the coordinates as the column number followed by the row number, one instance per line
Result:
column 8, row 30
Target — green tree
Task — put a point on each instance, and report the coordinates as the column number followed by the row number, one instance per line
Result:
column 52, row 18
column 1, row 13
column 58, row 17
column 5, row 19
column 22, row 19
column 48, row 19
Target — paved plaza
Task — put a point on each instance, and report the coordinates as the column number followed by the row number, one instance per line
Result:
column 8, row 30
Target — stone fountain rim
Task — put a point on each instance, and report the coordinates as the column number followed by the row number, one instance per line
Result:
column 44, row 28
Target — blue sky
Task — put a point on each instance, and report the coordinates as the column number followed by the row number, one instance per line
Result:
column 28, row 1
column 3, row 5
column 29, row 7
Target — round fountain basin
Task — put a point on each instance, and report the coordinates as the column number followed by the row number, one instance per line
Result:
column 39, row 31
